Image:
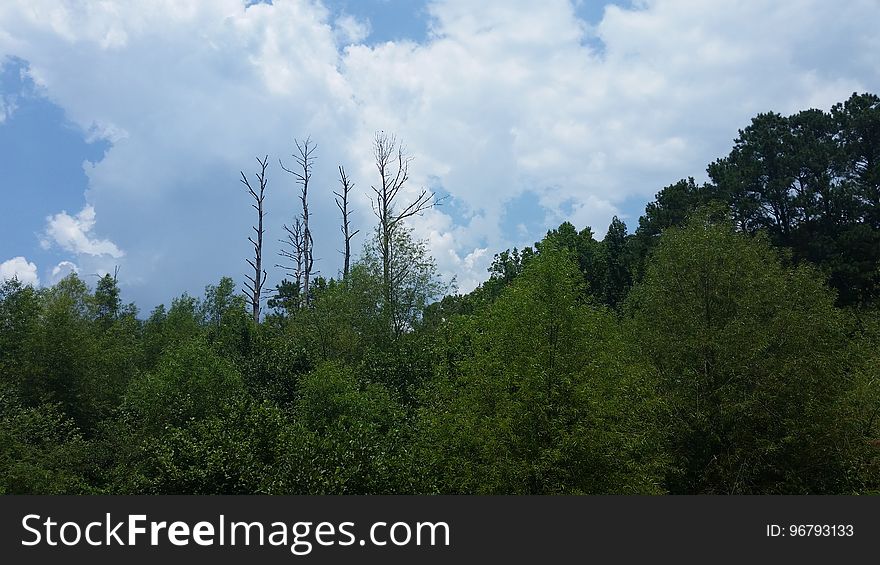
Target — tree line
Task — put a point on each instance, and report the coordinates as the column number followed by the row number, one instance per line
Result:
column 730, row 345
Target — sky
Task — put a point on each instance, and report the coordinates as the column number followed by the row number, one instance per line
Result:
column 124, row 125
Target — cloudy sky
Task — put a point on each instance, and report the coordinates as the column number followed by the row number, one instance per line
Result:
column 123, row 125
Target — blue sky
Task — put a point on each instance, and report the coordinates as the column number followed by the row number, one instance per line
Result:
column 123, row 126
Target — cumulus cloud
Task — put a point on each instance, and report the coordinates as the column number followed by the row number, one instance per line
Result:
column 350, row 29
column 63, row 269
column 20, row 268
column 505, row 98
column 73, row 233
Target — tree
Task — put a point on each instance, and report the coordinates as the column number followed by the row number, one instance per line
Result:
column 106, row 302
column 63, row 353
column 505, row 267
column 302, row 242
column 225, row 317
column 293, row 249
column 588, row 252
column 393, row 167
column 810, row 180
column 345, row 320
column 618, row 277
column 412, row 281
column 41, row 450
column 254, row 284
column 286, row 299
column 20, row 323
column 356, row 436
column 752, row 364
column 163, row 419
column 858, row 126
column 347, row 234
column 671, row 207
column 550, row 400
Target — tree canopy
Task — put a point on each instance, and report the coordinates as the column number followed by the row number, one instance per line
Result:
column 729, row 345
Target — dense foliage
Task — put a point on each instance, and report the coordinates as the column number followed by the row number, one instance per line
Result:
column 729, row 345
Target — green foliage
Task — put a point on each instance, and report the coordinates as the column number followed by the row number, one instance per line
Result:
column 671, row 207
column 618, row 275
column 345, row 317
column 701, row 354
column 752, row 361
column 812, row 182
column 106, row 303
column 357, row 437
column 414, row 282
column 41, row 450
column 190, row 382
column 548, row 402
column 286, row 299
column 235, row 449
column 19, row 315
column 276, row 364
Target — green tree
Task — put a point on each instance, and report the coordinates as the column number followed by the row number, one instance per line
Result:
column 41, row 450
column 106, row 302
column 549, row 400
column 20, row 309
column 191, row 385
column 752, row 362
column 618, row 277
column 671, row 207
column 286, row 299
column 810, row 181
column 412, row 276
column 356, row 435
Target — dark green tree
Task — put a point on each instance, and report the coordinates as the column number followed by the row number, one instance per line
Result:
column 549, row 401
column 618, row 276
column 753, row 365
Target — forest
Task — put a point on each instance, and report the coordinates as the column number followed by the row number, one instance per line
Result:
column 729, row 344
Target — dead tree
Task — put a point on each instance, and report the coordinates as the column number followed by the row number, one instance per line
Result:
column 293, row 249
column 393, row 166
column 305, row 160
column 347, row 234
column 254, row 284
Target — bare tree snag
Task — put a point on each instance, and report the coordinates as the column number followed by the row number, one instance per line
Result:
column 347, row 234
column 254, row 284
column 305, row 160
column 393, row 167
column 293, row 250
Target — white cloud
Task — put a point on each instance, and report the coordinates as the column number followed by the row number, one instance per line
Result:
column 63, row 269
column 6, row 109
column 350, row 30
column 73, row 233
column 505, row 97
column 20, row 268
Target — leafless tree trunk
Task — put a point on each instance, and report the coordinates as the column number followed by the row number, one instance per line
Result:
column 293, row 251
column 393, row 166
column 347, row 234
column 305, row 160
column 254, row 284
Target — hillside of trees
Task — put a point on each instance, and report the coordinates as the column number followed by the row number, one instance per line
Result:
column 729, row 345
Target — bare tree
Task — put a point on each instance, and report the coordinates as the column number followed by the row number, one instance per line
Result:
column 293, row 250
column 342, row 204
column 254, row 284
column 393, row 166
column 305, row 160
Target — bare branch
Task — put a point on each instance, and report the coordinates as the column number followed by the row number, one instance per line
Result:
column 392, row 164
column 257, row 281
column 302, row 174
